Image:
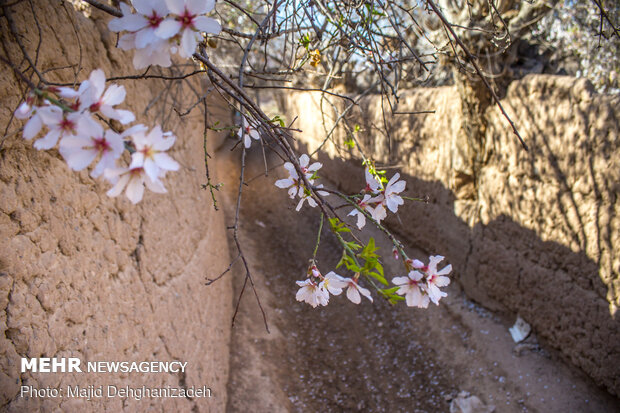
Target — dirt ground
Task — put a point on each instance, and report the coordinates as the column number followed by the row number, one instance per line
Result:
column 371, row 358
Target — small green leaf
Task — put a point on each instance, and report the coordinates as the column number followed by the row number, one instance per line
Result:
column 278, row 119
column 379, row 278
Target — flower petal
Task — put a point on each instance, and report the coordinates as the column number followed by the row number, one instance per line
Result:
column 135, row 189
column 188, row 43
column 33, row 127
column 114, row 95
column 117, row 189
column 164, row 161
column 48, row 141
column 168, row 28
column 353, row 295
column 207, row 25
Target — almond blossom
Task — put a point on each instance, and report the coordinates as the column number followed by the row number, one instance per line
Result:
column 134, row 181
column 141, row 26
column 364, row 205
column 410, row 287
column 354, row 291
column 373, row 185
column 81, row 150
column 334, row 283
column 60, row 124
column 392, row 189
column 150, row 152
column 389, row 197
column 312, row 293
column 156, row 53
column 247, row 132
column 436, row 279
column 291, row 183
column 296, row 186
column 186, row 21
column 307, row 169
column 27, row 110
column 150, row 13
column 307, row 196
column 95, row 100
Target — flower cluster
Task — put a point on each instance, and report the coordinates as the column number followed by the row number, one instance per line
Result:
column 422, row 283
column 316, row 289
column 160, row 28
column 68, row 116
column 295, row 184
column 376, row 198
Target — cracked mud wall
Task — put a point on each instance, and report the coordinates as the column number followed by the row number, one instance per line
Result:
column 536, row 233
column 88, row 276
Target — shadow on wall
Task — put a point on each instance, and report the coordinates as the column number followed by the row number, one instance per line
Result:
column 509, row 268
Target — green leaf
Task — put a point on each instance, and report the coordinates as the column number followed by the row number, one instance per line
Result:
column 278, row 119
column 338, row 226
column 379, row 278
column 379, row 268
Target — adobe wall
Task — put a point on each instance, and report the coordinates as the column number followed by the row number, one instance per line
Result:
column 88, row 276
column 539, row 235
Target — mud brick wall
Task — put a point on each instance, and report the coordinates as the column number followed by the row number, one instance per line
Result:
column 538, row 233
column 88, row 276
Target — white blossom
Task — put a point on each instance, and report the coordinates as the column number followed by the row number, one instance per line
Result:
column 186, row 21
column 134, row 181
column 436, row 279
column 312, row 293
column 60, row 124
column 307, row 196
column 27, row 110
column 150, row 14
column 291, row 183
column 364, row 204
column 373, row 185
column 248, row 132
column 410, row 288
column 95, row 100
column 150, row 152
column 81, row 150
column 334, row 283
column 392, row 189
column 354, row 291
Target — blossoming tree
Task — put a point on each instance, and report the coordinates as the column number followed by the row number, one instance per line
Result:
column 285, row 44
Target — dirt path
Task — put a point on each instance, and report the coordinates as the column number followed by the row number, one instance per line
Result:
column 371, row 358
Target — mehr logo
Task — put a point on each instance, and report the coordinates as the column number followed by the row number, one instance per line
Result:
column 72, row 364
column 51, row 365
